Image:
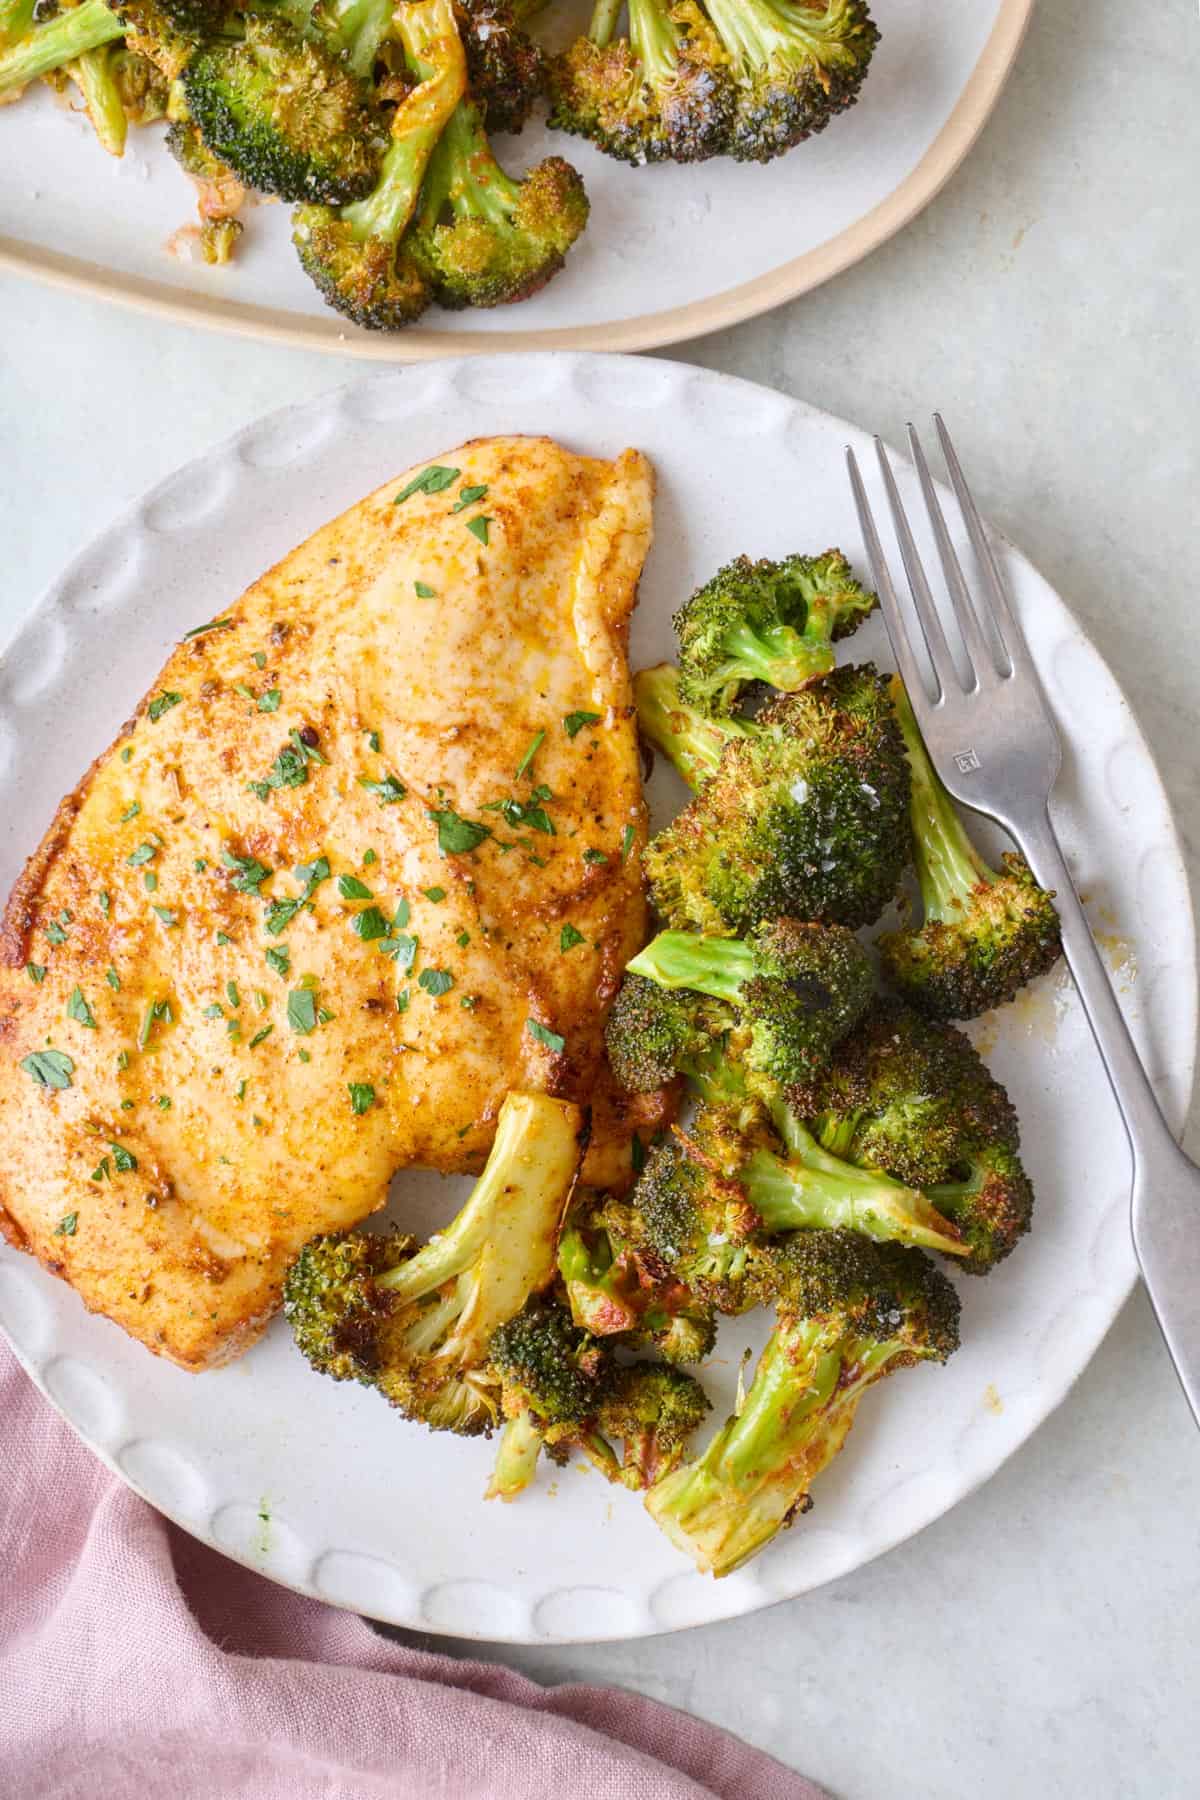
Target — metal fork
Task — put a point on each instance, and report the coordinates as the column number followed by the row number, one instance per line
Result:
column 994, row 743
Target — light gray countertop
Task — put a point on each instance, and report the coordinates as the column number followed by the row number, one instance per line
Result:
column 1042, row 1639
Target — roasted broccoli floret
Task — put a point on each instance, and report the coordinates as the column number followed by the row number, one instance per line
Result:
column 561, row 1391
column 795, row 64
column 285, row 115
column 482, row 239
column 806, row 815
column 693, row 741
column 792, row 989
column 168, row 32
column 849, row 1313
column 690, row 81
column 60, row 40
column 661, row 94
column 358, row 256
column 985, row 932
column 506, row 70
column 611, row 1292
column 142, row 87
column 690, row 1222
column 654, row 1033
column 774, row 622
column 907, row 1094
column 416, row 1323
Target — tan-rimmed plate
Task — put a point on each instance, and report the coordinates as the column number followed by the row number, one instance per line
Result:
column 670, row 254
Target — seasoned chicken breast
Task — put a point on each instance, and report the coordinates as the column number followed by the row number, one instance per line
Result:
column 366, row 859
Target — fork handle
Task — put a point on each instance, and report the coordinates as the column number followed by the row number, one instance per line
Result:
column 1166, row 1183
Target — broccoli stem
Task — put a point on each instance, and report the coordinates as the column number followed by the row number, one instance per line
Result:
column 356, row 28
column 814, row 1190
column 16, row 18
column 435, row 51
column 605, row 15
column 705, row 965
column 500, row 1248
column 655, row 41
column 63, row 39
column 465, row 177
column 948, row 865
column 693, row 743
column 516, row 1458
column 93, row 72
column 723, row 1507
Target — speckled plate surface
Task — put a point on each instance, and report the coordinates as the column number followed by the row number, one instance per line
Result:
column 669, row 253
column 318, row 1485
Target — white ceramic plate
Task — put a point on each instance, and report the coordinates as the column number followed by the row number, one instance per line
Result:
column 670, row 253
column 319, row 1485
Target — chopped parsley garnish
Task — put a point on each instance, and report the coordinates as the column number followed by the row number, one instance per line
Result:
column 269, row 702
column 160, row 704
column 469, row 1002
column 122, row 1059
column 302, row 1011
column 568, row 937
column 240, row 1091
column 387, row 791
column 433, row 480
column 245, row 690
column 157, row 1012
column 436, row 894
column 402, row 949
column 574, row 722
column 525, row 812
column 312, row 875
column 289, row 770
column 143, row 854
column 49, row 1068
column 200, row 865
column 261, row 1036
column 478, row 527
column 627, row 837
column 250, row 872
column 102, row 1170
column 79, row 1010
column 214, row 1011
column 535, row 745
column 463, row 939
column 280, row 959
column 402, row 998
column 456, row 836
column 113, row 980
column 424, row 591
column 373, row 742
column 36, row 972
column 544, row 1035
column 260, row 659
column 131, row 811
column 280, row 914
column 231, row 993
column 351, row 888
column 435, row 982
column 66, row 1226
column 213, row 625
column 309, row 752
column 104, row 901
column 401, row 915
column 468, row 496
column 55, row 933
column 126, row 753
column 369, row 857
column 369, row 924
column 223, row 937
column 163, row 1102
column 149, row 881
column 362, row 1096
column 168, row 917
column 304, row 1056
column 124, row 1161
column 594, row 856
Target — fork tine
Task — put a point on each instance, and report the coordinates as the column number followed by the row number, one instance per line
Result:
column 926, row 609
column 1011, row 636
column 889, row 605
column 979, row 651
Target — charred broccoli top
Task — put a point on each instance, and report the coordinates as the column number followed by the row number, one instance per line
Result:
column 986, row 932
column 794, row 65
column 774, row 622
column 506, row 70
column 849, row 1313
column 791, row 990
column 285, row 115
column 807, row 814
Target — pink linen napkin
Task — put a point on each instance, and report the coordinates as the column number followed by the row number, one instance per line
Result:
column 137, row 1663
